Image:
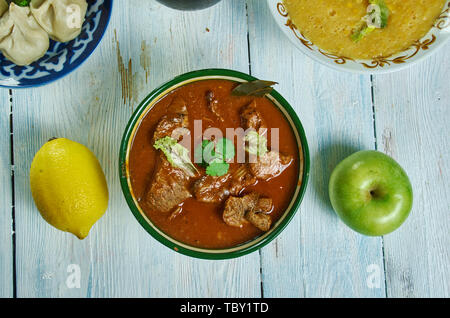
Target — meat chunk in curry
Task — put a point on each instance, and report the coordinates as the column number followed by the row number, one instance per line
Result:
column 213, row 104
column 249, row 208
column 251, row 118
column 176, row 117
column 170, row 185
column 212, row 189
column 270, row 165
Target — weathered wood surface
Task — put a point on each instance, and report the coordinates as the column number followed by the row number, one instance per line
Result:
column 6, row 247
column 317, row 255
column 412, row 125
column 92, row 106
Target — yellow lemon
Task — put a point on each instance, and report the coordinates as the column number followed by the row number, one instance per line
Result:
column 68, row 186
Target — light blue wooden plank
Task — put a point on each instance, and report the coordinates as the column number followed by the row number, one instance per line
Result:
column 317, row 255
column 92, row 106
column 412, row 116
column 6, row 248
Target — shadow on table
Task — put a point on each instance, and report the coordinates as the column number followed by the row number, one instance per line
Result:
column 322, row 164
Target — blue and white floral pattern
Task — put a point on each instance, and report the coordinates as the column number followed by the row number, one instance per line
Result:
column 61, row 58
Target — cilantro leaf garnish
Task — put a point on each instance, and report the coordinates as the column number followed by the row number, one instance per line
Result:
column 217, row 169
column 22, row 3
column 204, row 153
column 214, row 156
column 225, row 148
column 176, row 154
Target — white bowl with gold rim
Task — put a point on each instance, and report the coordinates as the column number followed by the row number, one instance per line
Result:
column 422, row 48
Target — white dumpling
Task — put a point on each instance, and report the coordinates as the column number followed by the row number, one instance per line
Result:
column 62, row 19
column 22, row 40
column 5, row 24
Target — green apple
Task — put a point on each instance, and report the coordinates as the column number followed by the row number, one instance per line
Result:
column 371, row 193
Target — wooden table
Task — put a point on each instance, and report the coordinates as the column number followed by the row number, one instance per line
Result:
column 404, row 114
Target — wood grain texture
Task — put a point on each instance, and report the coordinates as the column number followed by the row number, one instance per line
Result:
column 412, row 116
column 317, row 255
column 145, row 45
column 6, row 247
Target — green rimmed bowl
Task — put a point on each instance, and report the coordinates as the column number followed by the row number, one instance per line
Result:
column 180, row 247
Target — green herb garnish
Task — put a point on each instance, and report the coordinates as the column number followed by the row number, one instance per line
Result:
column 377, row 18
column 225, row 149
column 22, row 3
column 361, row 31
column 255, row 88
column 217, row 169
column 214, row 156
column 176, row 154
column 384, row 12
column 204, row 153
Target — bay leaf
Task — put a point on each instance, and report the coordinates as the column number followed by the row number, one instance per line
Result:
column 257, row 88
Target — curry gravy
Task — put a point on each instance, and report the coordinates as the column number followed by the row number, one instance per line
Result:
column 201, row 224
column 329, row 25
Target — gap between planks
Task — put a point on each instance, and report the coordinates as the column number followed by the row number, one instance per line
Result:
column 13, row 204
column 372, row 95
column 250, row 72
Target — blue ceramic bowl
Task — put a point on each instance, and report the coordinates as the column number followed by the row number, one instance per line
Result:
column 61, row 58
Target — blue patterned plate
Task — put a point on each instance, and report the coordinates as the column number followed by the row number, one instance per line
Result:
column 61, row 58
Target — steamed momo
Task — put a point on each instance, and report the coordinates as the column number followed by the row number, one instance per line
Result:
column 22, row 40
column 62, row 19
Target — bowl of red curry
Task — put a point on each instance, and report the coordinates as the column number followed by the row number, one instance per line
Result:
column 214, row 163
